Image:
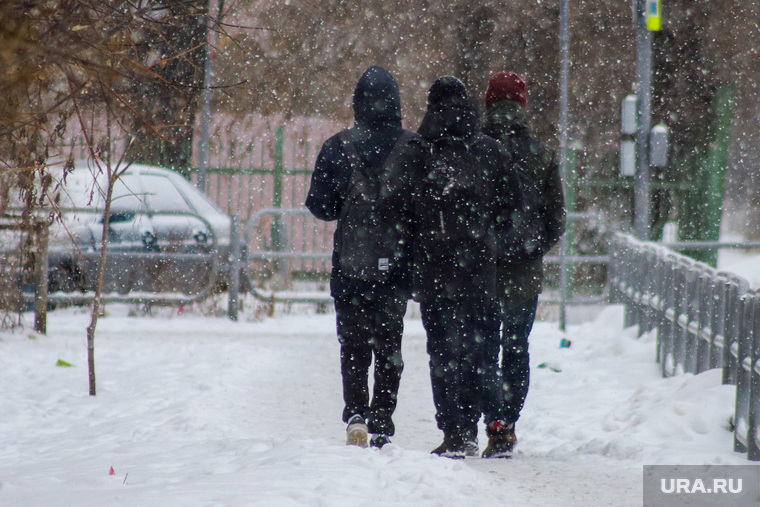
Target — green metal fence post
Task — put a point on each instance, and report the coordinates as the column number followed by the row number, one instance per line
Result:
column 279, row 166
column 279, row 239
column 701, row 205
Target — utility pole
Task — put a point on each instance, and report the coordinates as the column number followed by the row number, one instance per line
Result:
column 564, row 44
column 641, row 184
column 208, row 77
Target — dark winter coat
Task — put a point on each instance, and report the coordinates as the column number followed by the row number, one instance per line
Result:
column 377, row 116
column 519, row 280
column 467, row 267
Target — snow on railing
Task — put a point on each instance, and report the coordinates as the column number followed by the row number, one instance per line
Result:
column 704, row 319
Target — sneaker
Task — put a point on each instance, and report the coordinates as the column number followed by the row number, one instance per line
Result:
column 453, row 447
column 378, row 441
column 356, row 431
column 501, row 440
column 471, row 447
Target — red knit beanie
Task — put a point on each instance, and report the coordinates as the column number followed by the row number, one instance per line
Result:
column 506, row 86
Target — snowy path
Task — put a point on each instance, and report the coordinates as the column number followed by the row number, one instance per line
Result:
column 198, row 410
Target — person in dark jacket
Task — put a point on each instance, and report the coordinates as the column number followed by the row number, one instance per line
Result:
column 369, row 311
column 464, row 185
column 520, row 280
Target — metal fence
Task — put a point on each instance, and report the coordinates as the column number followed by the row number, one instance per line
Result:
column 283, row 243
column 704, row 319
column 260, row 170
column 256, row 166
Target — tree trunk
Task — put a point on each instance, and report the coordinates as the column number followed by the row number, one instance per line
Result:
column 96, row 305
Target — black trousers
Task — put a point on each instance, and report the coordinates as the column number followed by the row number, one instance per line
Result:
column 371, row 325
column 513, row 378
column 456, row 331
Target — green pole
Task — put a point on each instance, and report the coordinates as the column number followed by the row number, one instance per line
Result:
column 279, row 239
column 279, row 171
column 716, row 164
column 702, row 204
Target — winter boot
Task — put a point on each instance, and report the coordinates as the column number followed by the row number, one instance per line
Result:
column 378, row 440
column 501, row 439
column 453, row 446
column 356, row 431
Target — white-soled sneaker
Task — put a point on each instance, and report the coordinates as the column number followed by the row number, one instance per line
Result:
column 356, row 431
column 471, row 448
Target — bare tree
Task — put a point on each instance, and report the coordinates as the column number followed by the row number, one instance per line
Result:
column 90, row 60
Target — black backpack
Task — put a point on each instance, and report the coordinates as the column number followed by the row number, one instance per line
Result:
column 525, row 237
column 453, row 205
column 374, row 229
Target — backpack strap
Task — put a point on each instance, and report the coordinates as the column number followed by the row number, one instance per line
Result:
column 395, row 153
column 349, row 147
column 360, row 176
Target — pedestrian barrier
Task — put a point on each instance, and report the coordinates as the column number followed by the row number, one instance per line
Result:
column 280, row 239
column 704, row 319
column 282, row 252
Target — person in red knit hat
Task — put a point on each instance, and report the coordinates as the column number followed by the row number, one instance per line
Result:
column 506, row 86
column 519, row 280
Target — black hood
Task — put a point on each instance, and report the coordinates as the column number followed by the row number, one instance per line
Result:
column 377, row 101
column 450, row 112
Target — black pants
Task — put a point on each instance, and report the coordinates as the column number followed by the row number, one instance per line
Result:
column 456, row 331
column 514, row 377
column 371, row 325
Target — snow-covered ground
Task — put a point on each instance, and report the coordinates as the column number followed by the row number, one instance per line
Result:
column 196, row 410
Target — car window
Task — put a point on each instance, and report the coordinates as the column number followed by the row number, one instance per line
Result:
column 127, row 194
column 162, row 196
column 79, row 190
column 202, row 204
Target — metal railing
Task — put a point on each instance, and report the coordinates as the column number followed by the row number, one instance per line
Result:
column 565, row 260
column 704, row 319
column 281, row 255
column 284, row 250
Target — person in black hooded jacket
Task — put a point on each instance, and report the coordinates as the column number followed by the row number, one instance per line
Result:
column 464, row 187
column 369, row 311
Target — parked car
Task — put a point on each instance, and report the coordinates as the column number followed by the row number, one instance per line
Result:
column 155, row 215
